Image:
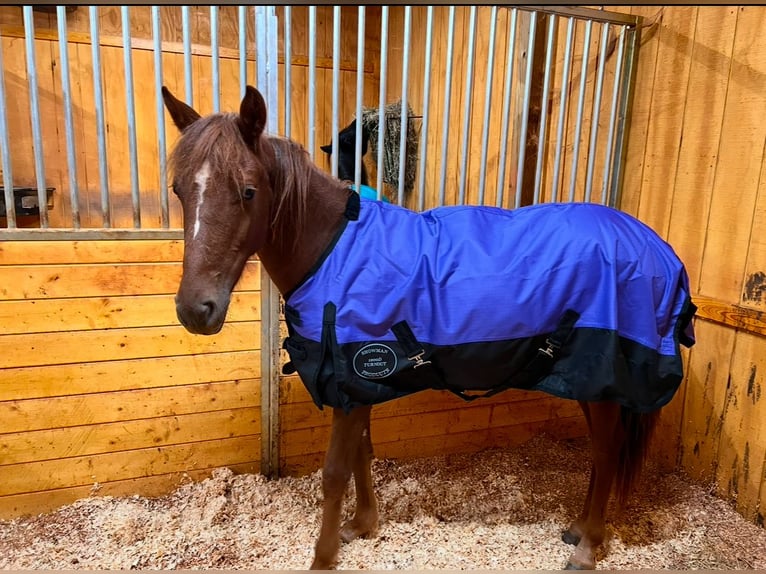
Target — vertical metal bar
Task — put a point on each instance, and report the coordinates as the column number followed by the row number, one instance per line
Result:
column 127, row 52
column 426, row 102
column 266, row 56
column 34, row 108
column 405, row 107
column 506, row 109
column 447, row 102
column 215, row 57
column 487, row 104
column 525, row 111
column 562, row 109
column 467, row 106
column 188, row 75
column 613, row 117
column 99, row 109
column 382, row 96
column 580, row 108
column 288, row 43
column 161, row 145
column 242, row 16
column 312, row 87
column 359, row 95
column 544, row 107
column 626, row 100
column 335, row 88
column 66, row 92
column 10, row 206
column 596, row 112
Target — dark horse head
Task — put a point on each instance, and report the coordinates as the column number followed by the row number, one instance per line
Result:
column 347, row 152
column 243, row 192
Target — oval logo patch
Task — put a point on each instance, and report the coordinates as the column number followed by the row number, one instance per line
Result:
column 375, row 361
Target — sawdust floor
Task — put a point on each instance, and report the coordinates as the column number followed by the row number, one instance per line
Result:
column 500, row 509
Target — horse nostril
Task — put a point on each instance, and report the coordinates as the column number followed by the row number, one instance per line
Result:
column 207, row 309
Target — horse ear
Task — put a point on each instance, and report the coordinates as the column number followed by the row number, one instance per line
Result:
column 252, row 115
column 182, row 114
column 326, row 148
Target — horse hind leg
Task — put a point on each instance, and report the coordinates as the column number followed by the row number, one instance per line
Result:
column 341, row 459
column 575, row 531
column 607, row 439
column 365, row 521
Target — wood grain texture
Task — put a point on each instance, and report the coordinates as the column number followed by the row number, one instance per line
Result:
column 733, row 315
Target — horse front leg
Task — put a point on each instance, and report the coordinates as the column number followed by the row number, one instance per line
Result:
column 607, row 438
column 345, row 441
column 365, row 520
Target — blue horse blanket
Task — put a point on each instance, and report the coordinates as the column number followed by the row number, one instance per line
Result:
column 578, row 300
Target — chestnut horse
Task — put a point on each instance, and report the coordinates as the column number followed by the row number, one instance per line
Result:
column 244, row 192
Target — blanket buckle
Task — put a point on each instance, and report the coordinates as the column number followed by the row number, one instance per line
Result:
column 418, row 359
column 549, row 349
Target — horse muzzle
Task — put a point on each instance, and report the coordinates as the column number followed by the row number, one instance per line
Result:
column 202, row 317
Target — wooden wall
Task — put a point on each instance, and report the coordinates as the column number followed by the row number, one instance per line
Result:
column 100, row 385
column 695, row 172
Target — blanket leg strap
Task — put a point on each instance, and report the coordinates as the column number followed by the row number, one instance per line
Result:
column 540, row 365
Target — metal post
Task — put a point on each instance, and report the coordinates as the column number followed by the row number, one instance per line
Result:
column 242, row 17
column 487, row 104
column 215, row 57
column 360, row 26
column 188, row 75
column 161, row 145
column 10, row 207
column 127, row 52
column 66, row 93
column 506, row 109
column 288, row 42
column 613, row 116
column 580, row 108
column 544, row 108
column 447, row 100
column 596, row 112
column 525, row 111
column 467, row 106
column 100, row 124
column 562, row 109
column 426, row 102
column 335, row 89
column 312, row 87
column 382, row 96
column 404, row 118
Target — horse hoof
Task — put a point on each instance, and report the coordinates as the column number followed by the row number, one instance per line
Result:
column 571, row 566
column 354, row 529
column 570, row 538
column 321, row 565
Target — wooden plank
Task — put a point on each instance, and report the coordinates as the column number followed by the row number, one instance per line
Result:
column 56, row 281
column 63, row 443
column 707, row 370
column 118, row 344
column 96, row 408
column 106, row 251
column 754, row 282
column 740, row 160
column 733, row 315
column 87, row 470
column 62, row 315
column 106, row 376
column 697, row 158
column 15, row 506
column 742, row 450
column 666, row 115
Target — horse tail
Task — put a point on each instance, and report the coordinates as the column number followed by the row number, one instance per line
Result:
column 639, row 428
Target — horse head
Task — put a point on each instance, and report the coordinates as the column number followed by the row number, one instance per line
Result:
column 222, row 176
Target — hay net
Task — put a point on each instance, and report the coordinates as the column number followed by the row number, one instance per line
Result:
column 391, row 143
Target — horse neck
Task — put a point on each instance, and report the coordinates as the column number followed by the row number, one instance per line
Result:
column 292, row 250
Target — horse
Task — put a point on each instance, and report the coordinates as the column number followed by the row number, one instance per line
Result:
column 581, row 301
column 347, row 159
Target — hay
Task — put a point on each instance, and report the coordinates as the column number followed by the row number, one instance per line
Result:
column 500, row 509
column 392, row 143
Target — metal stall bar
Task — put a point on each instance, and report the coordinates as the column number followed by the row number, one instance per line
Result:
column 99, row 109
column 335, row 88
column 359, row 96
column 312, row 87
column 447, row 101
column 288, row 43
column 405, row 110
column 562, row 109
column 506, row 108
column 160, row 107
column 467, row 106
column 487, row 104
column 267, row 35
column 596, row 112
column 580, row 108
column 188, row 76
column 544, row 107
column 426, row 102
column 626, row 99
column 215, row 57
column 34, row 108
column 613, row 117
column 10, row 207
column 242, row 26
column 525, row 112
column 127, row 53
column 66, row 93
column 382, row 96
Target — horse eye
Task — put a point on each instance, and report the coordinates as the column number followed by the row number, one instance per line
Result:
column 249, row 192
